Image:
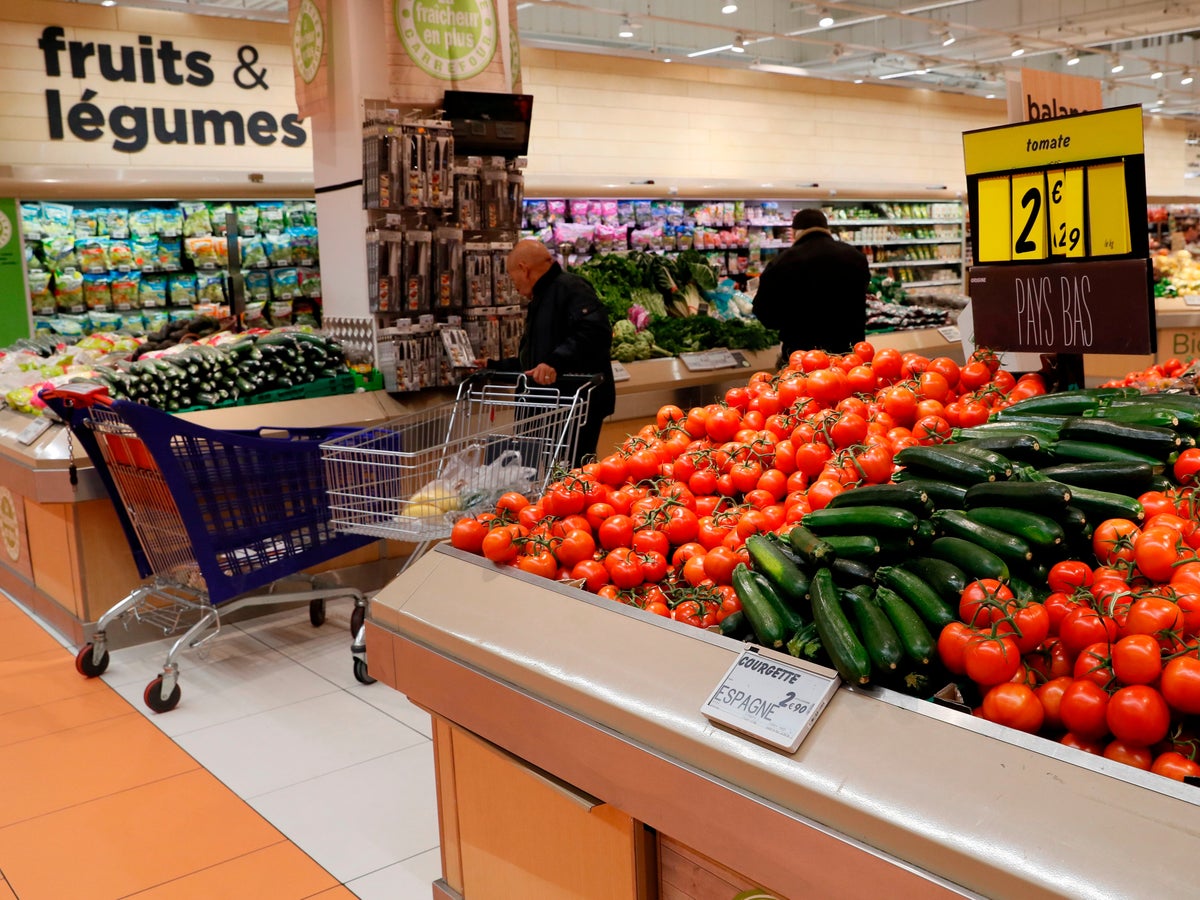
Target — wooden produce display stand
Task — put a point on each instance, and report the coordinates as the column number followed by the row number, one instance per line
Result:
column 572, row 759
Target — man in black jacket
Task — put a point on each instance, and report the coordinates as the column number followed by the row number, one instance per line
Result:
column 815, row 291
column 566, row 332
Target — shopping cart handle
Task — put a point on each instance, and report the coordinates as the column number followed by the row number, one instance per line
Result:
column 78, row 394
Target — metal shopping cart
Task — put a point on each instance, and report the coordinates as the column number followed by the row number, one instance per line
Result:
column 212, row 518
column 411, row 478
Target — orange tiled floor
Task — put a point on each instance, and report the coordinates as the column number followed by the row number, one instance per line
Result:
column 96, row 802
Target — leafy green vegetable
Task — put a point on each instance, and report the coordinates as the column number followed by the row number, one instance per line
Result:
column 686, row 335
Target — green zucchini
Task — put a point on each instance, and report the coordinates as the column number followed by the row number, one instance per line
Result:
column 943, row 494
column 1120, row 477
column 878, row 635
column 1016, row 446
column 765, row 619
column 926, row 532
column 946, row 463
column 905, row 496
column 861, row 520
column 1136, row 413
column 783, row 574
column 862, row 547
column 1039, row 496
column 1044, row 432
column 944, row 577
column 1152, row 440
column 1101, row 505
column 1008, row 547
column 915, row 590
column 811, row 548
column 735, row 625
column 850, row 572
column 849, row 656
column 1091, row 451
column 1033, row 528
column 912, row 632
column 1070, row 403
column 1001, row 465
column 975, row 561
column 792, row 620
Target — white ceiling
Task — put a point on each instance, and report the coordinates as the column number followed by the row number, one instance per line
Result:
column 899, row 41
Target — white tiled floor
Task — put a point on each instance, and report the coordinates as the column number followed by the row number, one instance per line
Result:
column 345, row 770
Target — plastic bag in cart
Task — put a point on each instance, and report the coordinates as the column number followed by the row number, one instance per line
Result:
column 468, row 484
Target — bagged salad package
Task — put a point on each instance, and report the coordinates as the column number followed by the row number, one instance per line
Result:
column 97, row 290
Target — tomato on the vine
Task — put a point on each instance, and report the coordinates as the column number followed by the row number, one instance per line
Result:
column 1014, row 705
column 1138, row 715
column 1114, row 540
column 1050, row 696
column 1083, row 710
column 1137, row 659
column 1181, row 684
column 1187, row 465
column 468, row 534
column 1069, row 574
column 984, row 602
column 991, row 659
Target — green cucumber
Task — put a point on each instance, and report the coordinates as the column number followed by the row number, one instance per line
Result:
column 846, row 651
column 916, row 591
column 974, row 560
column 765, row 619
column 861, row 520
column 811, row 548
column 1120, row 477
column 1091, row 451
column 915, row 637
column 862, row 547
column 783, row 574
column 876, row 630
column 1009, row 547
column 943, row 494
column 1152, row 440
column 905, row 496
column 1033, row 528
column 944, row 577
column 944, row 462
column 1037, row 496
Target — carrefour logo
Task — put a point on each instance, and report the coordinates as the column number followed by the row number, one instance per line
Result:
column 449, row 39
column 308, row 40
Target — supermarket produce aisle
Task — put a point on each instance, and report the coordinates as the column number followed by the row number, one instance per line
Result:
column 277, row 776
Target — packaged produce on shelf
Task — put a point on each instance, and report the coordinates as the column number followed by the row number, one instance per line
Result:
column 916, row 524
column 1176, row 274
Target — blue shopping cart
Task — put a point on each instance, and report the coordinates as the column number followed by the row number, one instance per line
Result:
column 212, row 518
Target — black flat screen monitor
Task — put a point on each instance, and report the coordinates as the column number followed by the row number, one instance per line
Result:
column 489, row 124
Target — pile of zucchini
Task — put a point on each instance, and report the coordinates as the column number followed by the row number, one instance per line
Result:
column 869, row 582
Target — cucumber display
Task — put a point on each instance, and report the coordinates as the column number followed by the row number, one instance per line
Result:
column 811, row 548
column 861, row 520
column 914, row 636
column 912, row 497
column 877, row 631
column 1033, row 528
column 974, row 560
column 946, row 463
column 839, row 640
column 785, row 576
column 924, row 599
column 1009, row 547
column 765, row 619
column 1117, row 476
column 1152, row 440
column 1048, row 497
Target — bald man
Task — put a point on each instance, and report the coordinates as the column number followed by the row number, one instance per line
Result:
column 566, row 332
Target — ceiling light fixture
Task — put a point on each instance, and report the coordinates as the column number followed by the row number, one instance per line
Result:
column 108, row 2
column 948, row 39
column 1117, row 66
column 1187, row 77
column 903, row 74
column 626, row 28
column 739, row 45
column 991, row 97
column 858, row 81
column 666, row 59
column 1017, row 49
column 729, row 8
column 826, row 20
column 1154, row 76
column 1073, row 59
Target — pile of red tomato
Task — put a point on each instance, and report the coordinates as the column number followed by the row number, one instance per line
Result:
column 1156, row 376
column 660, row 523
column 1108, row 662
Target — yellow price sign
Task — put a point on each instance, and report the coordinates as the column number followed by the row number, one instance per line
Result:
column 1029, row 216
column 1065, row 192
column 1108, row 209
column 995, row 220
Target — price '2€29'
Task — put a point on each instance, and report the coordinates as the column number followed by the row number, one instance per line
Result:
column 1061, row 213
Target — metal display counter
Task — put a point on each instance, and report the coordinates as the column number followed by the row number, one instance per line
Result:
column 552, row 706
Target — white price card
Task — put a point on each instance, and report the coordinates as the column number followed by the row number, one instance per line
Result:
column 708, row 360
column 775, row 701
column 950, row 333
column 1191, row 299
column 620, row 373
column 33, row 431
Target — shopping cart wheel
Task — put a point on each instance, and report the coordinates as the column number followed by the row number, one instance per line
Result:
column 154, row 698
column 87, row 666
column 316, row 612
column 360, row 672
column 357, row 616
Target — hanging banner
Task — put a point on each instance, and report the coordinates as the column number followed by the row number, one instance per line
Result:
column 309, row 21
column 1035, row 95
column 436, row 45
column 14, row 303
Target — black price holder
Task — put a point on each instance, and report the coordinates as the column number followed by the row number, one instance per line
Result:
column 772, row 699
column 1062, row 260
